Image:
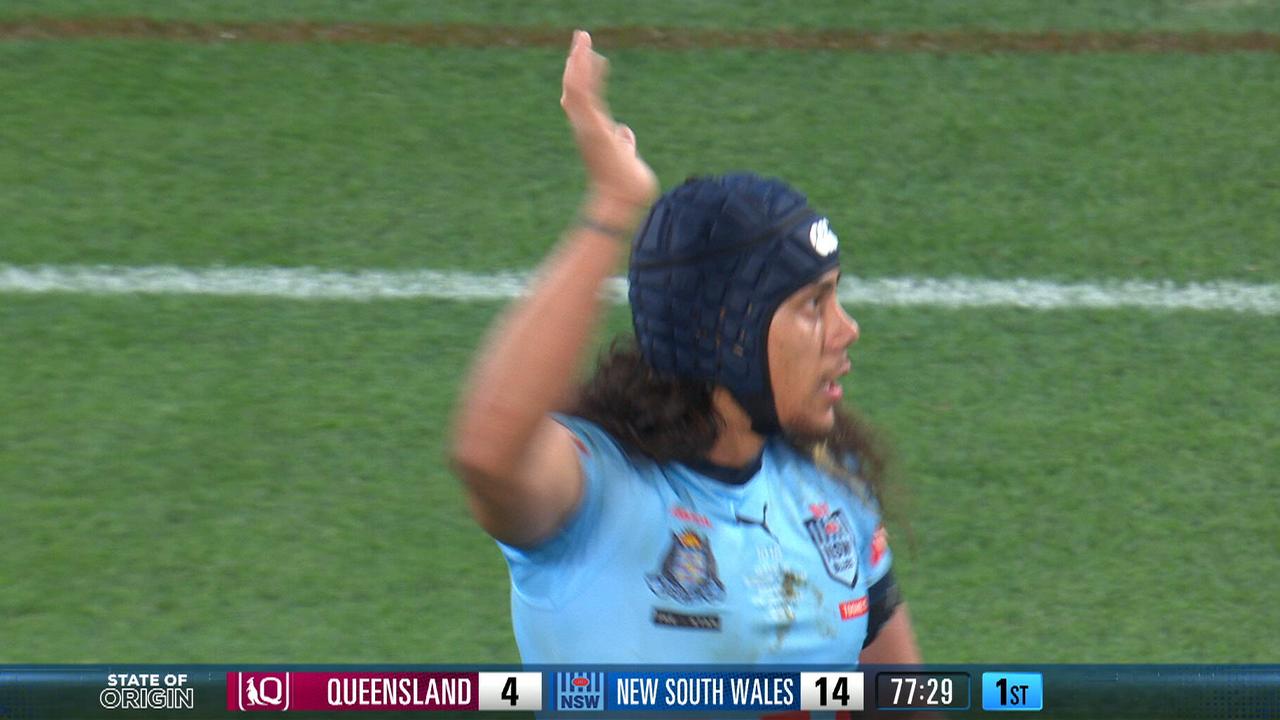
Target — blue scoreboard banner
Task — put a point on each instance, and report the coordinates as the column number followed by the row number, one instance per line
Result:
column 1069, row 692
column 660, row 691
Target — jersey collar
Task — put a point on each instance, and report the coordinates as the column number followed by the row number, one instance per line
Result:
column 727, row 475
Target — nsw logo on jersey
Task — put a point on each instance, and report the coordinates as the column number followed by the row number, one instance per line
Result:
column 830, row 531
column 688, row 573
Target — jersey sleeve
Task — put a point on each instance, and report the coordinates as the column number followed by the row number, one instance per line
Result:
column 883, row 595
column 876, row 558
column 547, row 572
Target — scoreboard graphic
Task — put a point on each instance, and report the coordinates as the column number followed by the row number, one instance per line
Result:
column 1095, row 692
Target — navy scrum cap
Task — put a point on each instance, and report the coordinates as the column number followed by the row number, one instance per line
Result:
column 711, row 264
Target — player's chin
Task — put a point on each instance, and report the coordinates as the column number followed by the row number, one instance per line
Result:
column 816, row 423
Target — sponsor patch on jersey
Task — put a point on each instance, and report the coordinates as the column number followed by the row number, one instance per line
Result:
column 688, row 573
column 690, row 516
column 834, row 538
column 851, row 609
column 685, row 620
column 879, row 545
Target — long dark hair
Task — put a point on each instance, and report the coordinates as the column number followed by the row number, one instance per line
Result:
column 663, row 419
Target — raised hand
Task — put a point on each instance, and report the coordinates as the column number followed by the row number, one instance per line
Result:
column 621, row 183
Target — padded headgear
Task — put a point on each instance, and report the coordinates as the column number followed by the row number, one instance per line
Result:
column 711, row 264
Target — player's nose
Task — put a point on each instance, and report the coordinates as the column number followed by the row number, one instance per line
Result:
column 846, row 330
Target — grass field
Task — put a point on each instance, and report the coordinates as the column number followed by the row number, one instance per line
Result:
column 1221, row 15
column 252, row 480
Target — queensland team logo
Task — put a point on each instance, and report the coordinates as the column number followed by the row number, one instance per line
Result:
column 688, row 572
column 261, row 691
column 830, row 531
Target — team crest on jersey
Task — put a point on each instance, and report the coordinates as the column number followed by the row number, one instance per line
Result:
column 830, row 531
column 688, row 573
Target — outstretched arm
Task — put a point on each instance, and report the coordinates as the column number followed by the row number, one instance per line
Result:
column 519, row 467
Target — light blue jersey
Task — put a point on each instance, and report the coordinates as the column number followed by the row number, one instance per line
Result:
column 662, row 564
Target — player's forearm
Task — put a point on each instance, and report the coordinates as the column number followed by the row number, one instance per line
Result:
column 527, row 365
column 896, row 643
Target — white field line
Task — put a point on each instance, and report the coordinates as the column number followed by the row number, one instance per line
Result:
column 314, row 284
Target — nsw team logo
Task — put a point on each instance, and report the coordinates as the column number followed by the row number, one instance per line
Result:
column 580, row 691
column 262, row 691
column 834, row 538
column 688, row 573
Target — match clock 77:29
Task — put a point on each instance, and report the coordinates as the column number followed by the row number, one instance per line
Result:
column 922, row 691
